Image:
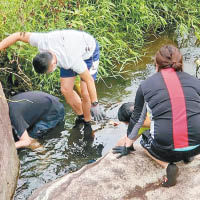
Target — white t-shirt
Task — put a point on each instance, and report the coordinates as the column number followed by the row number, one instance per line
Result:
column 71, row 47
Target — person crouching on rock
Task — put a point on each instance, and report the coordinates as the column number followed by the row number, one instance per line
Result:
column 172, row 97
column 32, row 114
column 124, row 114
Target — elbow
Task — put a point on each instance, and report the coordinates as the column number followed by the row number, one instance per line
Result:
column 17, row 35
column 22, row 36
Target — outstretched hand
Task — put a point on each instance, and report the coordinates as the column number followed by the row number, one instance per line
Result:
column 97, row 112
column 122, row 150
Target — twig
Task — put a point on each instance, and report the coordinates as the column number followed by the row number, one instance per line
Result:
column 15, row 101
column 15, row 75
column 106, row 84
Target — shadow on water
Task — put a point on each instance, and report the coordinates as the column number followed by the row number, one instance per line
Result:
column 65, row 149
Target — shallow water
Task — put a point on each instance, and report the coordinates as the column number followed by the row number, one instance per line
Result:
column 64, row 149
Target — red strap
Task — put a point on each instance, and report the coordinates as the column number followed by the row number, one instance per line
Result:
column 179, row 115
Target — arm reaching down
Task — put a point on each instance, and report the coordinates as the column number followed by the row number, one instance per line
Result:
column 13, row 38
column 124, row 146
column 24, row 141
column 96, row 111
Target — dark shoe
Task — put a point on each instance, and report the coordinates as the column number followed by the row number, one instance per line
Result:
column 79, row 121
column 188, row 160
column 87, row 131
column 172, row 172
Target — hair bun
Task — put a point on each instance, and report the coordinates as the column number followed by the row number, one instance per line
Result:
column 174, row 65
column 169, row 57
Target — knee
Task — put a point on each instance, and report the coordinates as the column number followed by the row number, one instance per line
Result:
column 66, row 91
column 70, row 96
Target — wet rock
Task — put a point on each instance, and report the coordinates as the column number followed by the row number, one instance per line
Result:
column 131, row 177
column 9, row 162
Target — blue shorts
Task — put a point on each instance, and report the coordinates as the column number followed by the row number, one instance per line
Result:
column 92, row 65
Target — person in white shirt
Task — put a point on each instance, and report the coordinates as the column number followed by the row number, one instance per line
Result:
column 76, row 53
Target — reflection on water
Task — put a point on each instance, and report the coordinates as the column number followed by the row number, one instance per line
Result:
column 62, row 152
column 66, row 149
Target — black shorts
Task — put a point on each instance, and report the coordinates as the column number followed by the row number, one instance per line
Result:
column 163, row 154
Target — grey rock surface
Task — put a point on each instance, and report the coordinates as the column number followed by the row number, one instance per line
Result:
column 134, row 176
column 9, row 162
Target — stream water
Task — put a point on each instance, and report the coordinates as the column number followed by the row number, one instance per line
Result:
column 64, row 150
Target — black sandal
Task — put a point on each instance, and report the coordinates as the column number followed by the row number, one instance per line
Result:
column 188, row 160
column 172, row 172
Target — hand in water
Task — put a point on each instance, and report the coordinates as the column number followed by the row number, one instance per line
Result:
column 97, row 112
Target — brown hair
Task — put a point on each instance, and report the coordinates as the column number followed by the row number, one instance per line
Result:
column 169, row 57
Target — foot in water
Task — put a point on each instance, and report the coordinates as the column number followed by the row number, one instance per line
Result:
column 172, row 172
column 79, row 121
column 35, row 145
column 87, row 131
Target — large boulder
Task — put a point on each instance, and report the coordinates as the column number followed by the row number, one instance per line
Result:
column 9, row 162
column 134, row 176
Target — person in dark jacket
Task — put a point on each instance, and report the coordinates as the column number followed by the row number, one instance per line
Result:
column 172, row 97
column 124, row 114
column 32, row 114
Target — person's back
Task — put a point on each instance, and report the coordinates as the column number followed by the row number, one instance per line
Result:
column 172, row 98
column 165, row 115
column 35, row 112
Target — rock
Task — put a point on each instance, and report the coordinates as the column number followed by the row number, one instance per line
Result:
column 134, row 176
column 9, row 162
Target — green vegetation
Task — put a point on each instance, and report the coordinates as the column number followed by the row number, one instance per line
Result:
column 121, row 26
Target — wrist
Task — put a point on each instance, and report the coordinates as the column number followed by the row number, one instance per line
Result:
column 129, row 142
column 95, row 103
column 130, row 148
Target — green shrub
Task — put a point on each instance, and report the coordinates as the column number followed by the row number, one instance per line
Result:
column 121, row 26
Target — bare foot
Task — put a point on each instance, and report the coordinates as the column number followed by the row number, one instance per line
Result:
column 35, row 144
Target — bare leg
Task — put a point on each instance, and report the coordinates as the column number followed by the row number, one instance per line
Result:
column 162, row 163
column 86, row 102
column 171, row 170
column 71, row 97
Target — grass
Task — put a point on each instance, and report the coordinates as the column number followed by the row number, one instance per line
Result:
column 122, row 27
